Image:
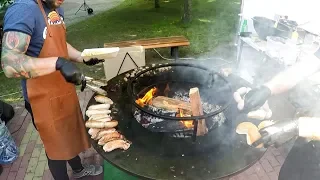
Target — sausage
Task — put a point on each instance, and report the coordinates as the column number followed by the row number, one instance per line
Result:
column 105, row 132
column 96, row 112
column 240, row 104
column 99, row 106
column 242, row 90
column 99, row 116
column 107, row 119
column 93, row 132
column 103, row 99
column 237, row 97
column 109, row 137
column 100, row 124
column 116, row 144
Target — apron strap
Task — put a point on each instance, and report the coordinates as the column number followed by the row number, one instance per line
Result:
column 44, row 16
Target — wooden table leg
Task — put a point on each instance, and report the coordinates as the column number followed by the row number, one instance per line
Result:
column 175, row 52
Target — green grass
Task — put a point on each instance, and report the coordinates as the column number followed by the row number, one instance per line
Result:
column 213, row 23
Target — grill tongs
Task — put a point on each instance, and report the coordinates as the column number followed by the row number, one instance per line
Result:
column 94, row 85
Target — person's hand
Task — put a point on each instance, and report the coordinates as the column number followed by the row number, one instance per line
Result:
column 278, row 133
column 93, row 61
column 256, row 98
column 247, row 100
column 70, row 71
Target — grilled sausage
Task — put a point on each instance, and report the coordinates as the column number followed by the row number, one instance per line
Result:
column 99, row 116
column 105, row 132
column 103, row 99
column 96, row 112
column 117, row 144
column 99, row 106
column 100, row 124
column 109, row 137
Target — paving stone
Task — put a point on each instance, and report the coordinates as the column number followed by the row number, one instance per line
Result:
column 266, row 165
column 30, row 147
column 22, row 149
column 36, row 152
column 40, row 168
column 34, row 136
column 32, row 165
column 260, row 171
column 37, row 178
column 273, row 176
column 21, row 173
column 39, row 141
column 46, row 167
column 5, row 173
column 272, row 160
column 25, row 161
column 280, row 159
column 253, row 177
column 12, row 176
column 30, row 128
column 16, row 164
column 43, row 156
column 26, row 138
column 47, row 175
column 29, row 176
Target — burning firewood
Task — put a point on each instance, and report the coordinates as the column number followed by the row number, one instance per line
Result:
column 196, row 108
column 171, row 104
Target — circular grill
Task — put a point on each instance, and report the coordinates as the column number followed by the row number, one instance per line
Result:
column 215, row 92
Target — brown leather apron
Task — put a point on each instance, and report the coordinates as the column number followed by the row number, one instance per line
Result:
column 55, row 104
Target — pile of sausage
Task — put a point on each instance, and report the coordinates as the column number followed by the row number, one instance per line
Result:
column 103, row 128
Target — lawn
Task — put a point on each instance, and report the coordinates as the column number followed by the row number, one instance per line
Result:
column 213, row 23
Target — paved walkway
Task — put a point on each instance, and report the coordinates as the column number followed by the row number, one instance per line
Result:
column 71, row 6
column 32, row 162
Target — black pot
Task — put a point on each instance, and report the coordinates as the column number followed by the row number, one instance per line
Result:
column 265, row 27
column 6, row 112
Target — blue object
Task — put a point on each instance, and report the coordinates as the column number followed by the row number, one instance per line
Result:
column 8, row 149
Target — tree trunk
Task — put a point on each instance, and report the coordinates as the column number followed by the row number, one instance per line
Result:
column 157, row 3
column 187, row 11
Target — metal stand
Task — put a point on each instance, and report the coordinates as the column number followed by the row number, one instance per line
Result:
column 84, row 6
column 127, row 54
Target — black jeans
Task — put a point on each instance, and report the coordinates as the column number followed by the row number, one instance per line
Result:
column 58, row 168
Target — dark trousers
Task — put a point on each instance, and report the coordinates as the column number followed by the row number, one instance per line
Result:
column 58, row 168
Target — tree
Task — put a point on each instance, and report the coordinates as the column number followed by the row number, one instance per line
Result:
column 157, row 3
column 186, row 18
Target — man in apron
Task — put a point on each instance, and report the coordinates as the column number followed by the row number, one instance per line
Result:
column 303, row 160
column 35, row 49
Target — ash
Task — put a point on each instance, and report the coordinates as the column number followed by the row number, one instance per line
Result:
column 207, row 108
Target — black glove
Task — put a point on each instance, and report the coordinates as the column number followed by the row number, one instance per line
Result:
column 255, row 98
column 93, row 61
column 70, row 71
column 278, row 133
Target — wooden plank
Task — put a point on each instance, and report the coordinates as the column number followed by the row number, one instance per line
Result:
column 171, row 104
column 152, row 42
column 196, row 108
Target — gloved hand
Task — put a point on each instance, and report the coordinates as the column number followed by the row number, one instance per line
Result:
column 70, row 71
column 93, row 61
column 278, row 133
column 256, row 98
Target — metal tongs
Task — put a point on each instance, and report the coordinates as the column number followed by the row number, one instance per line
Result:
column 95, row 85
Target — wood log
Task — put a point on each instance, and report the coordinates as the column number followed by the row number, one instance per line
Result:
column 197, row 110
column 171, row 104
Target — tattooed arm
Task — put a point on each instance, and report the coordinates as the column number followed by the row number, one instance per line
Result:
column 74, row 54
column 14, row 61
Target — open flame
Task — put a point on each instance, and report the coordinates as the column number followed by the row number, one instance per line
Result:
column 147, row 97
column 188, row 124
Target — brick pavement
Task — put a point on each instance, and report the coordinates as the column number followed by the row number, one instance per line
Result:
column 32, row 161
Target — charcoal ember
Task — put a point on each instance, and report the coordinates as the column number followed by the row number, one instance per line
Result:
column 145, row 119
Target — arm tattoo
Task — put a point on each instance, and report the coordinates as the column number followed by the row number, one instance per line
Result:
column 14, row 61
